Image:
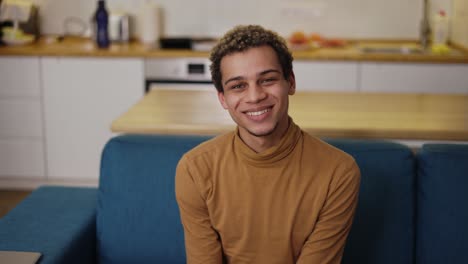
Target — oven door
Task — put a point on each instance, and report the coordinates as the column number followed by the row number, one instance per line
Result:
column 178, row 74
column 179, row 85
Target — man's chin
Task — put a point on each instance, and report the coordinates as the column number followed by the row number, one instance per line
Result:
column 262, row 132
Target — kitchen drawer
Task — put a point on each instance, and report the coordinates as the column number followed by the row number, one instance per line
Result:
column 414, row 78
column 22, row 158
column 19, row 76
column 326, row 76
column 20, row 118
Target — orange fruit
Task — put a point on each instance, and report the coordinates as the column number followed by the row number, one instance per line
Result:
column 315, row 37
column 298, row 37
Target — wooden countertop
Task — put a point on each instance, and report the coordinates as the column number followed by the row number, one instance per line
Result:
column 334, row 115
column 82, row 47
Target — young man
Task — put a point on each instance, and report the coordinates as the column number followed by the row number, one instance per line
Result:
column 267, row 192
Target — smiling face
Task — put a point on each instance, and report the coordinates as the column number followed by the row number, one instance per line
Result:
column 256, row 95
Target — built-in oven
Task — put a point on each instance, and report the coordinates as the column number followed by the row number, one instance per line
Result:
column 178, row 73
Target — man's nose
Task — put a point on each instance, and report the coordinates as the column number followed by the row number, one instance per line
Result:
column 255, row 93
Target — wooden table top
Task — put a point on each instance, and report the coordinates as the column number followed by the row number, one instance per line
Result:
column 331, row 114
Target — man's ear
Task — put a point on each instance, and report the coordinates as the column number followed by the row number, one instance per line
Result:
column 292, row 84
column 222, row 100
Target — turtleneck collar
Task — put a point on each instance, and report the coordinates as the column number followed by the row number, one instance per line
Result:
column 272, row 154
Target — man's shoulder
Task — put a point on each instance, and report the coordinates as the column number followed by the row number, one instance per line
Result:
column 325, row 150
column 332, row 158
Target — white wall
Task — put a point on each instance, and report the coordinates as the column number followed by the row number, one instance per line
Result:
column 334, row 18
column 437, row 5
column 459, row 25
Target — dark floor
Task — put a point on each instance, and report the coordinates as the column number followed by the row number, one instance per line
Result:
column 10, row 198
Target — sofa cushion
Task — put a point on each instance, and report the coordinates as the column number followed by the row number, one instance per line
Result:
column 137, row 215
column 442, row 204
column 57, row 221
column 383, row 227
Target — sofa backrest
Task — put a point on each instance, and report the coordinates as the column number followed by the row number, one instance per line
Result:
column 442, row 202
column 383, row 227
column 137, row 214
column 138, row 218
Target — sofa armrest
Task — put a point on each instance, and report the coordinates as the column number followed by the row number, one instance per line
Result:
column 59, row 222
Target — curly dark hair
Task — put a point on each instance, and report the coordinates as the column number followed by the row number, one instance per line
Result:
column 242, row 38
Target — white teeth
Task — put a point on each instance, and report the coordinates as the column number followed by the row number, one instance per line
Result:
column 258, row 112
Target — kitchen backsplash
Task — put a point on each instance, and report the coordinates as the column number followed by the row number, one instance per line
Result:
column 459, row 25
column 381, row 19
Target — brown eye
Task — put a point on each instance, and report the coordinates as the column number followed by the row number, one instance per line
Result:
column 237, row 86
column 268, row 80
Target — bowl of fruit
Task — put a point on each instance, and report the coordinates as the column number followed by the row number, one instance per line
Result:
column 299, row 40
column 16, row 36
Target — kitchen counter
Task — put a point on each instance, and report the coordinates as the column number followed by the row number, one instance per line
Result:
column 323, row 114
column 81, row 47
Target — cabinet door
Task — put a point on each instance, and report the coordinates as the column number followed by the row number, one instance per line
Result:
column 19, row 76
column 326, row 76
column 21, row 130
column 82, row 96
column 20, row 117
column 22, row 158
column 414, row 78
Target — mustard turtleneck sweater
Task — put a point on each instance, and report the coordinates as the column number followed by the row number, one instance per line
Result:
column 293, row 203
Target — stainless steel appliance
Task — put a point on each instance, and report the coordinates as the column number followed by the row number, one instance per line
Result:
column 178, row 73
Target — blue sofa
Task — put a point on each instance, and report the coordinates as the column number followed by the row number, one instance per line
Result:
column 413, row 207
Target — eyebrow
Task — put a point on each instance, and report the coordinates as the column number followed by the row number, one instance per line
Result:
column 237, row 78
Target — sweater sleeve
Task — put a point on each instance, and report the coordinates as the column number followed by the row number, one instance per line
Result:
column 202, row 242
column 326, row 242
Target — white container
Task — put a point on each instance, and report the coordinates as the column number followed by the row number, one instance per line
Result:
column 149, row 23
column 440, row 28
column 119, row 27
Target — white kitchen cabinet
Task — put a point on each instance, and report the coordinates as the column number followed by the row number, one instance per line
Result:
column 414, row 78
column 326, row 76
column 19, row 77
column 22, row 158
column 21, row 127
column 82, row 96
column 21, row 117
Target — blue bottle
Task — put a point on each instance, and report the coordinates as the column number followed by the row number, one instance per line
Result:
column 102, row 21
